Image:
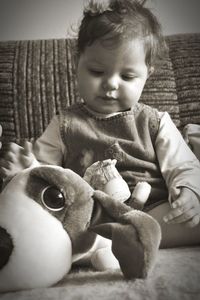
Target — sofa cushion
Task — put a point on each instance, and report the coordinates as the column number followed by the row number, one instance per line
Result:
column 160, row 89
column 37, row 81
column 185, row 57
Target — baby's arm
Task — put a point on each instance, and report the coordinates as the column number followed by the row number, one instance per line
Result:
column 48, row 149
column 16, row 158
column 181, row 171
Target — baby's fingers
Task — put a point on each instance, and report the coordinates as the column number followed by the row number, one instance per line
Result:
column 173, row 215
column 9, row 157
column 3, row 172
column 177, row 216
column 186, row 200
column 27, row 148
column 5, row 168
column 12, row 147
column 185, row 204
column 193, row 222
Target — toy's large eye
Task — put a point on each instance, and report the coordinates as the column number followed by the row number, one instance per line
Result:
column 53, row 198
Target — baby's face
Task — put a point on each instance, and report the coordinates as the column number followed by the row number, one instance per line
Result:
column 111, row 79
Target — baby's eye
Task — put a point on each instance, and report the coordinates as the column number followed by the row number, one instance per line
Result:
column 96, row 72
column 128, row 77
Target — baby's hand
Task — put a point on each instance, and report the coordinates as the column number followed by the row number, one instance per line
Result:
column 15, row 159
column 185, row 209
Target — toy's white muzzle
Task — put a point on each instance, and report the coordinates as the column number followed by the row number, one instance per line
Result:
column 42, row 252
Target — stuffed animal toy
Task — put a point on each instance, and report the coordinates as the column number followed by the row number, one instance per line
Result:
column 50, row 218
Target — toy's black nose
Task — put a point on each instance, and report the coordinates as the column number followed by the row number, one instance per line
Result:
column 6, row 247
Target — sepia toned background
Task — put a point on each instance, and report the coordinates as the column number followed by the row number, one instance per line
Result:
column 40, row 19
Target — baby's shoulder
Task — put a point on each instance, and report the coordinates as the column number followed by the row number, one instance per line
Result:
column 70, row 112
column 150, row 116
column 70, row 115
column 146, row 108
column 148, row 111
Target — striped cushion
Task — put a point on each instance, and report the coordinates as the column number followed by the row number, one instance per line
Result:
column 160, row 89
column 185, row 56
column 38, row 79
column 175, row 85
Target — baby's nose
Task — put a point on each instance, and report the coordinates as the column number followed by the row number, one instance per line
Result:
column 111, row 83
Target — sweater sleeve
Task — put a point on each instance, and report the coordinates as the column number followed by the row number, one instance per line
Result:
column 178, row 164
column 49, row 148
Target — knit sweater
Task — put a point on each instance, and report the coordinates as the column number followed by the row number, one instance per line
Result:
column 128, row 137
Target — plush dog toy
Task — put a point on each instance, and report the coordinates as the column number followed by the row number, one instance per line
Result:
column 50, row 218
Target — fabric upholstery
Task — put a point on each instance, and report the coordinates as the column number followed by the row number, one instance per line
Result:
column 38, row 79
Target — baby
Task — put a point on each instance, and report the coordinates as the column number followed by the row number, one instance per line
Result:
column 118, row 44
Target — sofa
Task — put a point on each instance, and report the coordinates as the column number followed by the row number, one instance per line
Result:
column 37, row 80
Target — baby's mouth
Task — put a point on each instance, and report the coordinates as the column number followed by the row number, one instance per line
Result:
column 108, row 98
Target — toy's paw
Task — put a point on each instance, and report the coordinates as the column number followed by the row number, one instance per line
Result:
column 135, row 236
column 126, row 247
column 103, row 259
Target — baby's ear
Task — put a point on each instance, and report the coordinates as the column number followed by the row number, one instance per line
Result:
column 150, row 70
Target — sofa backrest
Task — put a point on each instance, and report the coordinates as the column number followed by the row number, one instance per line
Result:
column 38, row 79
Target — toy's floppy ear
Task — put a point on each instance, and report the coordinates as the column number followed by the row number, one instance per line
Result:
column 135, row 235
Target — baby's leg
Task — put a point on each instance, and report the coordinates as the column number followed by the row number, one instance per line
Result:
column 174, row 235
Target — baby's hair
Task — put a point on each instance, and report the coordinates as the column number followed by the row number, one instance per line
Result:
column 116, row 20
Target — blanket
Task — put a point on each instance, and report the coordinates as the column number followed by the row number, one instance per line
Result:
column 176, row 276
